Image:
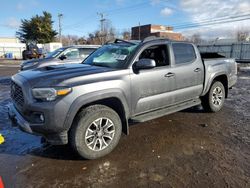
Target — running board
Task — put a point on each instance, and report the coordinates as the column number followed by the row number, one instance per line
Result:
column 164, row 111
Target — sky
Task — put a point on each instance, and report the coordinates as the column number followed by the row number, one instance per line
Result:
column 81, row 17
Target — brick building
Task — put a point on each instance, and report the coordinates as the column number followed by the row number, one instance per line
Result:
column 143, row 31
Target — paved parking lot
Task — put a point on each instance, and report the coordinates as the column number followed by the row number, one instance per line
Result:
column 186, row 149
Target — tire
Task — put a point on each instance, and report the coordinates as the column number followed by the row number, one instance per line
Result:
column 24, row 55
column 214, row 100
column 102, row 126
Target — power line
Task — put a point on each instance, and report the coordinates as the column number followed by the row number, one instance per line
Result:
column 184, row 25
column 204, row 21
column 209, row 24
column 111, row 12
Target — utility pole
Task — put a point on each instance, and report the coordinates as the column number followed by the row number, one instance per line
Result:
column 60, row 26
column 102, row 20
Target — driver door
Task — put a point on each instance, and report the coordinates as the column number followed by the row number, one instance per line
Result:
column 150, row 87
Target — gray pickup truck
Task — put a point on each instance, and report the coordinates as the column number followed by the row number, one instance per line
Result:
column 89, row 105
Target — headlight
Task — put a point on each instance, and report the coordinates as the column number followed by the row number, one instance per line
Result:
column 49, row 94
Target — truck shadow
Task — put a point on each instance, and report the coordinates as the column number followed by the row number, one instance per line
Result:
column 64, row 152
column 21, row 144
column 195, row 109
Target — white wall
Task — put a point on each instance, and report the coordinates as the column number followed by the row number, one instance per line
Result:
column 15, row 48
column 49, row 47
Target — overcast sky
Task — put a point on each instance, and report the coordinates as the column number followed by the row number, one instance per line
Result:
column 80, row 17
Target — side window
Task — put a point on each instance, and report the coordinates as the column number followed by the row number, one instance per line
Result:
column 72, row 53
column 159, row 53
column 183, row 53
column 84, row 52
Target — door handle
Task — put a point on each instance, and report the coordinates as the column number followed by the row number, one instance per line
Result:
column 197, row 70
column 170, row 74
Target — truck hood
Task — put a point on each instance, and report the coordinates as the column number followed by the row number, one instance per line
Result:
column 36, row 60
column 53, row 75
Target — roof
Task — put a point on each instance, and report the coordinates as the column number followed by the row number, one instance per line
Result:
column 83, row 46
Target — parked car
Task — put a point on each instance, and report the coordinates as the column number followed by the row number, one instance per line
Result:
column 88, row 105
column 69, row 54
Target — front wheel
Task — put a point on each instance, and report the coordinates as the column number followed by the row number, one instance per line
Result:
column 96, row 131
column 213, row 101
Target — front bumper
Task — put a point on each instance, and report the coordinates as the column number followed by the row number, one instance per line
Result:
column 17, row 120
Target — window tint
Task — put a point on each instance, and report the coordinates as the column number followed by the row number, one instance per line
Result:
column 183, row 53
column 158, row 53
column 72, row 54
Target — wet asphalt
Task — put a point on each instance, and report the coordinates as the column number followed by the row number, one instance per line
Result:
column 185, row 149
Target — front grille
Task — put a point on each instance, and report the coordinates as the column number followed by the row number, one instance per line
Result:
column 17, row 94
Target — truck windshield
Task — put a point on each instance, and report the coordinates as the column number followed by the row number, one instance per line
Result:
column 111, row 55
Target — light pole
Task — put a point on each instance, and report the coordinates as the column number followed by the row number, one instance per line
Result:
column 60, row 26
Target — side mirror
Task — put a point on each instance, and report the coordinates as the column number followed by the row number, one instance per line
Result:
column 145, row 64
column 62, row 57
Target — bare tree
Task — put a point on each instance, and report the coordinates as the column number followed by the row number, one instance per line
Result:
column 95, row 38
column 196, row 38
column 69, row 40
column 126, row 35
column 82, row 40
column 107, row 33
column 242, row 35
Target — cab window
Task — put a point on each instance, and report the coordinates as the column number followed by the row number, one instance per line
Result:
column 159, row 53
column 183, row 53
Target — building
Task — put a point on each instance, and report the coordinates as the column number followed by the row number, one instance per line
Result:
column 141, row 32
column 11, row 45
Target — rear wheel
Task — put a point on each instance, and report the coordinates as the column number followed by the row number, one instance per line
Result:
column 96, row 131
column 213, row 101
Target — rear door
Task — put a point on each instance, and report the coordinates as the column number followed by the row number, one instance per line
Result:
column 188, row 71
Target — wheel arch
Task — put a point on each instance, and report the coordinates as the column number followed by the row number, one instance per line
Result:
column 114, row 100
column 224, row 80
column 221, row 77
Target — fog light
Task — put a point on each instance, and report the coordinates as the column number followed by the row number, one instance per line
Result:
column 42, row 118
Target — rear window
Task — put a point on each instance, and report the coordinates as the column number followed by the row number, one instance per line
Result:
column 183, row 53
